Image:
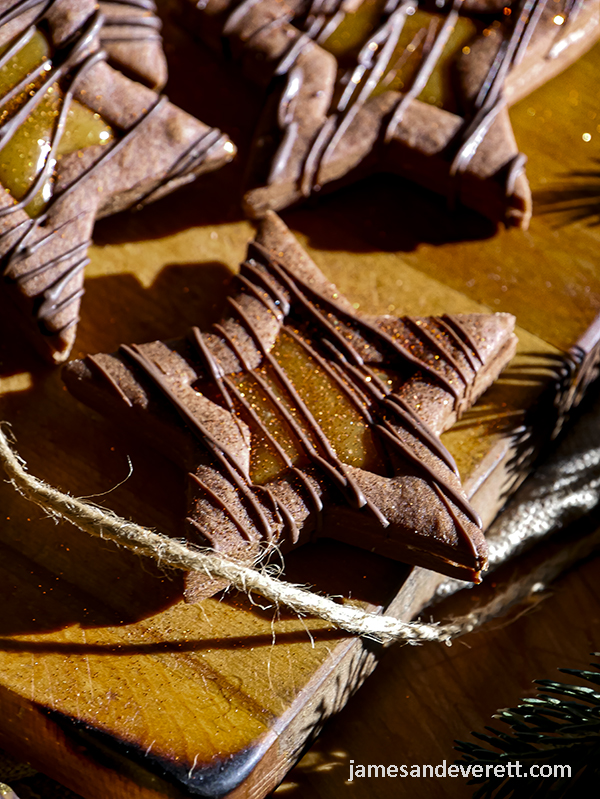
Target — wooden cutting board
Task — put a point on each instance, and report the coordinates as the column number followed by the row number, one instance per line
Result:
column 108, row 681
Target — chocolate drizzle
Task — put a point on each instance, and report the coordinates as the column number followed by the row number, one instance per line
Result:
column 490, row 100
column 373, row 60
column 140, row 26
column 224, row 457
column 332, row 341
column 424, row 72
column 73, row 60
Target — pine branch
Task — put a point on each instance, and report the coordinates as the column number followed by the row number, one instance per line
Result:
column 559, row 727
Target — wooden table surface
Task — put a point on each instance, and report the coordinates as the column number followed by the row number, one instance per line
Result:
column 77, row 607
column 420, row 700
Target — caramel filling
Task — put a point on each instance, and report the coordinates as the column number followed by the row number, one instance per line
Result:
column 354, row 30
column 336, row 417
column 25, row 154
column 416, row 40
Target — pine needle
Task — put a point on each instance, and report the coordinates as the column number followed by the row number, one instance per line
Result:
column 555, row 735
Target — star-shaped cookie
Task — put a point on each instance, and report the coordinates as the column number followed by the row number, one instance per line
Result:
column 420, row 89
column 78, row 141
column 297, row 419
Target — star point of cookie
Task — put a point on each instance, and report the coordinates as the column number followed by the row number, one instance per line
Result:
column 413, row 88
column 131, row 37
column 78, row 141
column 296, row 419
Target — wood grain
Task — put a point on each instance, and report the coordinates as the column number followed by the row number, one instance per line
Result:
column 108, row 682
column 422, row 699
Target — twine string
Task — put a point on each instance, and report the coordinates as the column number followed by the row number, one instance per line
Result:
column 172, row 553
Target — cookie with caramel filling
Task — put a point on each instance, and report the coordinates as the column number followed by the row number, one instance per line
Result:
column 420, row 89
column 297, row 419
column 78, row 141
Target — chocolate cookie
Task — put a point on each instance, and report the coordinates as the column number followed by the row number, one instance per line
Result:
column 78, row 141
column 298, row 419
column 418, row 89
